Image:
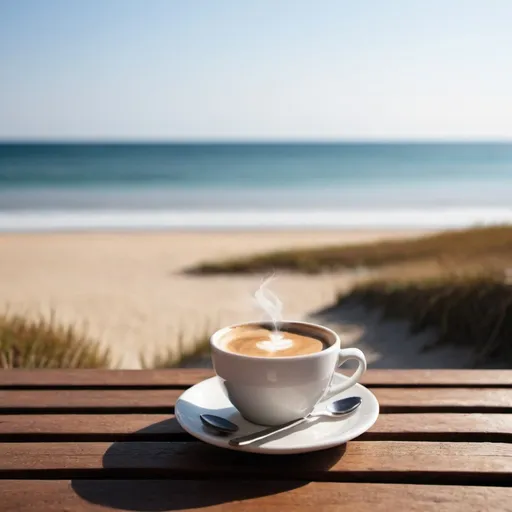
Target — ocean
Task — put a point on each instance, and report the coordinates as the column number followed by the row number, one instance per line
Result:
column 48, row 187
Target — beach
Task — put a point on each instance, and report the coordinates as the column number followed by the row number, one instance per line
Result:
column 98, row 234
column 128, row 290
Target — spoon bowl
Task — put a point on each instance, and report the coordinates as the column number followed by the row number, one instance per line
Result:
column 343, row 406
column 218, row 424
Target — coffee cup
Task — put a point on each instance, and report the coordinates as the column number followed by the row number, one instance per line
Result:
column 274, row 390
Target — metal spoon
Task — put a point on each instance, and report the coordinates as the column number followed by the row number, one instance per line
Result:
column 223, row 426
column 218, row 424
column 336, row 408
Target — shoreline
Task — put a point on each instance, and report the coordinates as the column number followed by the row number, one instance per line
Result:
column 136, row 220
column 359, row 232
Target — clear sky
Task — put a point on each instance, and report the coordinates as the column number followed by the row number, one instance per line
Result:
column 255, row 69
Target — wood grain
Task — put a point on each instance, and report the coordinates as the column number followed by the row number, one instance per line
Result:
column 250, row 496
column 445, row 446
column 444, row 399
column 474, row 427
column 127, row 400
column 87, row 427
column 90, row 379
column 372, row 461
column 137, row 427
column 395, row 400
column 181, row 378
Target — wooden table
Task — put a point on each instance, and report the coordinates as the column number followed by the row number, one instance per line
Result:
column 101, row 440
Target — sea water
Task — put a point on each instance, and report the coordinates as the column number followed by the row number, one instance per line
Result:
column 251, row 186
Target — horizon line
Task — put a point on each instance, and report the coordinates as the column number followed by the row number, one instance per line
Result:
column 212, row 141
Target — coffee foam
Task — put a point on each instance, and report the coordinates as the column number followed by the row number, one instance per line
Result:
column 259, row 341
column 276, row 342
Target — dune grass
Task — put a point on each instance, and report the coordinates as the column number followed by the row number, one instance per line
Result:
column 180, row 353
column 472, row 309
column 456, row 282
column 43, row 343
column 489, row 246
column 27, row 342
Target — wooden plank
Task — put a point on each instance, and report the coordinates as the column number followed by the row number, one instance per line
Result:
column 371, row 461
column 250, row 496
column 179, row 378
column 396, row 400
column 87, row 427
column 137, row 427
column 127, row 400
column 90, row 379
column 473, row 427
column 438, row 378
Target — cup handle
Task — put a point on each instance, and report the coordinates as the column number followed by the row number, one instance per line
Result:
column 343, row 356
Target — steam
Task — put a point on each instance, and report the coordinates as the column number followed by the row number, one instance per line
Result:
column 269, row 302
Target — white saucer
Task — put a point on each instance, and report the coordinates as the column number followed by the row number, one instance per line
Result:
column 208, row 397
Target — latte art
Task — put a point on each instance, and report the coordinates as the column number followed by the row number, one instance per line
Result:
column 276, row 343
column 261, row 342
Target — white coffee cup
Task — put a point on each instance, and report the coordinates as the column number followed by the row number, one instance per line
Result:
column 275, row 390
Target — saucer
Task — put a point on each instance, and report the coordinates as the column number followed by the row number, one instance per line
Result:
column 208, row 397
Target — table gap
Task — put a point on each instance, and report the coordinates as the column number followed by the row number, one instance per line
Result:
column 140, row 409
column 183, row 387
column 462, row 437
column 382, row 477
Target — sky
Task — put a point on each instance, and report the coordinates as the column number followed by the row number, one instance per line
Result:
column 255, row 70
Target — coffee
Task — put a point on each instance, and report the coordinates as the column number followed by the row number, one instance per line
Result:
column 261, row 342
column 273, row 387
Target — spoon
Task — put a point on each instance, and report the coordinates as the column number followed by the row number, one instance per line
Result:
column 218, row 424
column 336, row 408
column 223, row 426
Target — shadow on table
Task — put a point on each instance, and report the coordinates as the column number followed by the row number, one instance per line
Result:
column 152, row 478
column 166, row 495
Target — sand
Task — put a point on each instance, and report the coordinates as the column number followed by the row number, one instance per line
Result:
column 127, row 289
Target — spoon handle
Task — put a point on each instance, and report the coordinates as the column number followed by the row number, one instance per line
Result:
column 256, row 436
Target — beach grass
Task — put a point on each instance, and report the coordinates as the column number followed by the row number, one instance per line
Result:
column 458, row 283
column 472, row 309
column 43, row 343
column 181, row 353
column 27, row 342
column 488, row 246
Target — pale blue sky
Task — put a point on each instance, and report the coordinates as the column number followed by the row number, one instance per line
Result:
column 246, row 69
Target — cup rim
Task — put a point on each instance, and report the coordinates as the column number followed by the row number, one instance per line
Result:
column 214, row 338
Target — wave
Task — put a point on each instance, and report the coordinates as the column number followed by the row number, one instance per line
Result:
column 136, row 220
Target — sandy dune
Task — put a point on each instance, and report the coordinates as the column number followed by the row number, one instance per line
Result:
column 127, row 289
